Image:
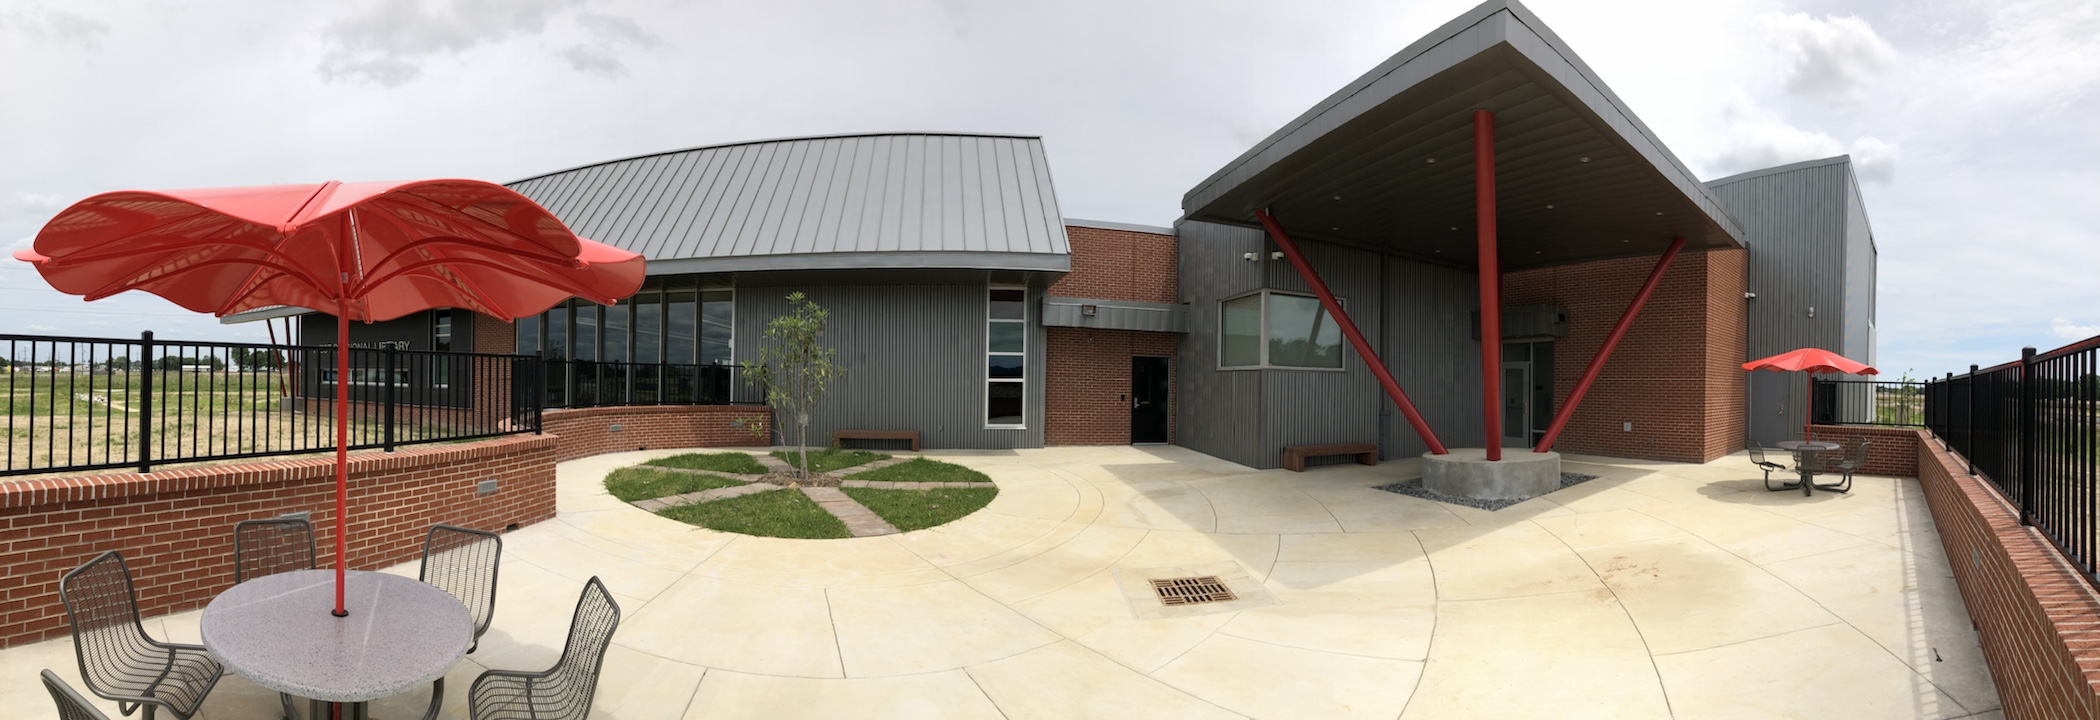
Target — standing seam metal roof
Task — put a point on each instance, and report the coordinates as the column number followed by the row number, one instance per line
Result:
column 917, row 200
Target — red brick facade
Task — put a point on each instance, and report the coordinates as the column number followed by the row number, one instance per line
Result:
column 2038, row 621
column 590, row 431
column 1677, row 375
column 1087, row 379
column 175, row 526
column 1895, row 450
column 1088, row 384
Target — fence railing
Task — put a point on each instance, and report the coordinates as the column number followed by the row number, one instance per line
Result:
column 2032, row 428
column 78, row 404
column 586, row 383
column 1869, row 402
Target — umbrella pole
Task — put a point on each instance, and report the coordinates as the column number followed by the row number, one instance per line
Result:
column 342, row 448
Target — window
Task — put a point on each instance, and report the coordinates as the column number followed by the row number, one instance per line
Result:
column 1274, row 329
column 616, row 324
column 529, row 335
column 717, row 326
column 441, row 330
column 1006, row 351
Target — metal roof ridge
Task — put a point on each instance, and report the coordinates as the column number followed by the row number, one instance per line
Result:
column 766, row 141
column 1845, row 159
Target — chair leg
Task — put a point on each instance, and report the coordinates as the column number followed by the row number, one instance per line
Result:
column 437, row 699
column 290, row 712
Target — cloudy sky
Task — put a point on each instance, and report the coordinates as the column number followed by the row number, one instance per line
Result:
column 1970, row 120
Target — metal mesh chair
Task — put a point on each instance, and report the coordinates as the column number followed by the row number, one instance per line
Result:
column 71, row 706
column 1757, row 457
column 118, row 661
column 463, row 561
column 1848, row 464
column 562, row 692
column 268, row 547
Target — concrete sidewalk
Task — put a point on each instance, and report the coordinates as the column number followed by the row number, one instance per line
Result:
column 1657, row 590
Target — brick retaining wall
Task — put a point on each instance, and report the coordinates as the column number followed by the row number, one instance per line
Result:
column 590, row 431
column 2038, row 620
column 175, row 527
column 1895, row 450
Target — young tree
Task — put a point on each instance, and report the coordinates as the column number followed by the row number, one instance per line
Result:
column 795, row 368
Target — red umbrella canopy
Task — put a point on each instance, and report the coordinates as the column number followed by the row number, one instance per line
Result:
column 366, row 251
column 1812, row 361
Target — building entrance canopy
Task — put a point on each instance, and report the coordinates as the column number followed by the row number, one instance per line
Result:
column 1387, row 161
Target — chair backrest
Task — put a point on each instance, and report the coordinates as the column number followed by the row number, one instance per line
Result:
column 71, row 706
column 1757, row 453
column 464, row 561
column 268, row 547
column 1859, row 453
column 583, row 657
column 107, row 637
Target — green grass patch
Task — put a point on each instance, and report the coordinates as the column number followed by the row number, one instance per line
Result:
column 781, row 513
column 830, row 459
column 631, row 484
column 923, row 470
column 729, row 462
column 920, row 509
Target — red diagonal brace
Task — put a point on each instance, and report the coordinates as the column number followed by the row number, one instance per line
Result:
column 1356, row 339
column 1589, row 375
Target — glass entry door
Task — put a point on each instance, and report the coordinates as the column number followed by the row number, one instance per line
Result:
column 1516, row 404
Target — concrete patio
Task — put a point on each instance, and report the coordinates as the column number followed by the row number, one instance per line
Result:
column 1656, row 590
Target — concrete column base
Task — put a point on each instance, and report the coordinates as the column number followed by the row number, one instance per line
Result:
column 1466, row 472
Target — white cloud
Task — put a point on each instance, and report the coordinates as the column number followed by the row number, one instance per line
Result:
column 386, row 41
column 1873, row 159
column 41, row 22
column 1830, row 59
column 2068, row 330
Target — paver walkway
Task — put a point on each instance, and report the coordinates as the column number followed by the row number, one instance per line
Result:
column 1657, row 590
column 702, row 496
column 859, row 520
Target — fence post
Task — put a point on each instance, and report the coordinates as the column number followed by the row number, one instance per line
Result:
column 146, row 402
column 2028, row 446
column 539, row 391
column 1969, row 421
column 387, row 382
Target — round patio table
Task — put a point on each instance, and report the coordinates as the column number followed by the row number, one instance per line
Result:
column 1805, row 454
column 279, row 631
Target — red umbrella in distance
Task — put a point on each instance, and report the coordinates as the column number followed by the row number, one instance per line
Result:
column 1811, row 361
column 370, row 251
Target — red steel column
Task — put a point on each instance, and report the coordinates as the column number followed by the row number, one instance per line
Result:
column 1589, row 375
column 1356, row 338
column 1490, row 279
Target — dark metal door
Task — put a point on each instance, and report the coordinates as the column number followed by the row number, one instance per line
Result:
column 1150, row 386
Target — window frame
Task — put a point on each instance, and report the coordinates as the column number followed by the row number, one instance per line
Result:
column 1263, row 333
column 985, row 378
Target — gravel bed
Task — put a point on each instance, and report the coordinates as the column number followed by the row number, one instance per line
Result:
column 1413, row 488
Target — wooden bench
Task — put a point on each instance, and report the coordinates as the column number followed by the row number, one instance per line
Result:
column 1295, row 455
column 841, row 435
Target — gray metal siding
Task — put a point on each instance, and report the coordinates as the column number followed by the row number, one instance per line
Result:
column 1798, row 220
column 1430, row 350
column 1115, row 315
column 913, row 193
column 1859, row 275
column 1309, row 407
column 1219, row 413
column 914, row 358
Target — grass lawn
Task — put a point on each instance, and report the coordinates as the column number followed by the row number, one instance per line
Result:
column 631, row 484
column 781, row 513
column 729, row 462
column 830, row 459
column 923, row 470
column 920, row 509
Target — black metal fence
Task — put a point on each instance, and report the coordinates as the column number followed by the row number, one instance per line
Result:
column 1869, row 402
column 2032, row 428
column 585, row 383
column 95, row 403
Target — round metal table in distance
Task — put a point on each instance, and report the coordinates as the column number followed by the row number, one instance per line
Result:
column 1805, row 453
column 280, row 632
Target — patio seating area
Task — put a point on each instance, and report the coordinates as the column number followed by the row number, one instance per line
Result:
column 1655, row 590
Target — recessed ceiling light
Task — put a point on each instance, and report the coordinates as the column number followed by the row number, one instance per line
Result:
column 1337, row 197
column 1429, row 160
column 1585, row 158
column 1454, row 228
column 1549, row 207
column 1658, row 214
column 1334, row 228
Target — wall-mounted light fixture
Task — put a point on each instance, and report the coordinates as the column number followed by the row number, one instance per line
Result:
column 1811, row 311
column 1088, row 310
column 1749, row 296
column 1250, row 257
column 1276, row 255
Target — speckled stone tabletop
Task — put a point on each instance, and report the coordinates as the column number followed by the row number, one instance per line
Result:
column 278, row 632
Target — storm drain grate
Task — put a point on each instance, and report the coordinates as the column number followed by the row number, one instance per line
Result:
column 1192, row 590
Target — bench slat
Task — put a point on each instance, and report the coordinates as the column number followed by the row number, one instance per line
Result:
column 1294, row 456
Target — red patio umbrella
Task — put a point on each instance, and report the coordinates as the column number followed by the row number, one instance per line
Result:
column 370, row 251
column 1811, row 361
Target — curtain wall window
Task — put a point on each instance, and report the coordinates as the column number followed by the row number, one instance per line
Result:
column 1274, row 329
column 1006, row 350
